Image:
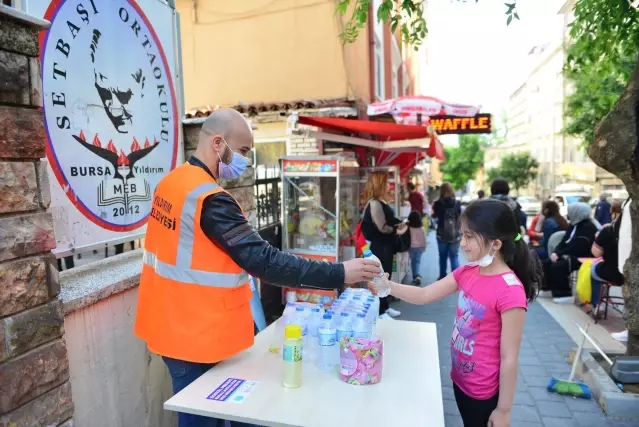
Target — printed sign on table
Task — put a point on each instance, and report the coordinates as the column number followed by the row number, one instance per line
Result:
column 232, row 390
column 110, row 109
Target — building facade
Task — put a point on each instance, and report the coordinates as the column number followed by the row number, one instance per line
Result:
column 270, row 59
column 536, row 119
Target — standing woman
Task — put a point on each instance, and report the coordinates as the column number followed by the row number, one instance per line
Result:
column 447, row 211
column 381, row 228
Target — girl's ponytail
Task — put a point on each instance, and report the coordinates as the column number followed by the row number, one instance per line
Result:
column 526, row 265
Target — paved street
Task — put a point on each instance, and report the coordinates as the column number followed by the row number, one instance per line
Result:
column 544, row 353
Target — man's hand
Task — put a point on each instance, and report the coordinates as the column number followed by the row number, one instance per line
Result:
column 554, row 257
column 360, row 270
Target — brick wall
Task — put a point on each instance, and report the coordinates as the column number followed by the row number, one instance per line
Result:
column 303, row 146
column 34, row 369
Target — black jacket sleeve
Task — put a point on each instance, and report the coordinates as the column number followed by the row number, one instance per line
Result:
column 581, row 243
column 224, row 224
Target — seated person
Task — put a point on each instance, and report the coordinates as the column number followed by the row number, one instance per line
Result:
column 577, row 243
column 616, row 210
column 606, row 270
column 535, row 236
column 553, row 222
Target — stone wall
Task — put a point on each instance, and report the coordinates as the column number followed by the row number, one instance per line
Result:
column 303, row 146
column 34, row 369
column 242, row 188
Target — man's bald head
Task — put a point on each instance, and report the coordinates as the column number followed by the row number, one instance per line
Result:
column 223, row 127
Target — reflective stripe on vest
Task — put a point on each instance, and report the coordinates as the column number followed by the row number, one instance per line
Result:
column 182, row 271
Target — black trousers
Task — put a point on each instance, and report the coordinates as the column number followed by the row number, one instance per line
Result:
column 385, row 253
column 557, row 276
column 474, row 412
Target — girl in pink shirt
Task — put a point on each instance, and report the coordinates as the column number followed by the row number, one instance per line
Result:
column 494, row 290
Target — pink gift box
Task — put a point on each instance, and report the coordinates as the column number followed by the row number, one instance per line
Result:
column 361, row 360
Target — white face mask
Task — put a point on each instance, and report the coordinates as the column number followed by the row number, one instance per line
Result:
column 484, row 261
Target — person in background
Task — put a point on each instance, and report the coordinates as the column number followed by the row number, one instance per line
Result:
column 606, row 247
column 194, row 295
column 603, row 211
column 481, row 194
column 615, row 211
column 535, row 236
column 381, row 228
column 499, row 189
column 553, row 222
column 417, row 244
column 494, row 289
column 577, row 243
column 416, row 199
column 623, row 246
column 447, row 211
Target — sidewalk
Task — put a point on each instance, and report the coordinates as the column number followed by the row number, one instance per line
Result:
column 544, row 352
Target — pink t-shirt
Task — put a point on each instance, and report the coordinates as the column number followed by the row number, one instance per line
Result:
column 475, row 345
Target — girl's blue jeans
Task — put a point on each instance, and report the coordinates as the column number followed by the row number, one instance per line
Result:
column 416, row 261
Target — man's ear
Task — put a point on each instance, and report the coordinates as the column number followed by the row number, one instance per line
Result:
column 218, row 144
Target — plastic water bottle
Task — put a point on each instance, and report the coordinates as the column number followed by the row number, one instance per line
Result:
column 374, row 302
column 288, row 316
column 310, row 346
column 344, row 328
column 381, row 283
column 327, row 339
column 360, row 327
column 301, row 319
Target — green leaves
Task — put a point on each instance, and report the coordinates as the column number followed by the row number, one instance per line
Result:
column 407, row 16
column 600, row 60
column 511, row 12
column 463, row 161
column 518, row 169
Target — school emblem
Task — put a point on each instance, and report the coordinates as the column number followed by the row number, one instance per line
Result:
column 110, row 109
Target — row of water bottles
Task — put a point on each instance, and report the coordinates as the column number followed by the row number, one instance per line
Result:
column 353, row 314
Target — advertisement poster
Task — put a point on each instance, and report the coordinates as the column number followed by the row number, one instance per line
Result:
column 112, row 115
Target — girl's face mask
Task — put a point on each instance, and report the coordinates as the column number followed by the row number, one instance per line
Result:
column 486, row 260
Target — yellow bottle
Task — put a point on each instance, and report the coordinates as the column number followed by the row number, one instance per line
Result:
column 292, row 356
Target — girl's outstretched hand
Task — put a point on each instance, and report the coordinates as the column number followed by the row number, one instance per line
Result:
column 499, row 418
column 373, row 288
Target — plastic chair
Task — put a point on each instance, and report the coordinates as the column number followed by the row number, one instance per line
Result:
column 606, row 299
column 554, row 241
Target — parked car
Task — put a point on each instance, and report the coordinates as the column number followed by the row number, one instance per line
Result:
column 565, row 199
column 530, row 205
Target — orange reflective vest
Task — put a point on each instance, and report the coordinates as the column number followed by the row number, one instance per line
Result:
column 194, row 300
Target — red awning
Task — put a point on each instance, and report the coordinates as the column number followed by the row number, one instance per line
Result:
column 387, row 131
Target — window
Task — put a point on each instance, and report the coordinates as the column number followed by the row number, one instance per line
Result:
column 379, row 70
column 13, row 3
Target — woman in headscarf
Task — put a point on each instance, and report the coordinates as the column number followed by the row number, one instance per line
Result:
column 577, row 243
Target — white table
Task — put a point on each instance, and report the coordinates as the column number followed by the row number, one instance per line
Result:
column 409, row 394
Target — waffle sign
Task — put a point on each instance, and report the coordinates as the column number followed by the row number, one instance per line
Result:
column 451, row 125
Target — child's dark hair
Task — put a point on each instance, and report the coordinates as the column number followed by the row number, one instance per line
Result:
column 415, row 220
column 494, row 220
